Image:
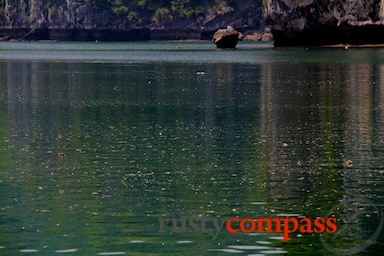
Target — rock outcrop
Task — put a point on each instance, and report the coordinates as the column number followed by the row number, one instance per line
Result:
column 325, row 22
column 226, row 38
column 258, row 36
column 124, row 20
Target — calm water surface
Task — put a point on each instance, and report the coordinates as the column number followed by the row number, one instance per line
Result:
column 99, row 141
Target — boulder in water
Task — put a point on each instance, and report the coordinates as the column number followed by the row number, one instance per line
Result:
column 226, row 38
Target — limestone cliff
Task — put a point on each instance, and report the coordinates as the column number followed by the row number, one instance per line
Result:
column 123, row 20
column 321, row 22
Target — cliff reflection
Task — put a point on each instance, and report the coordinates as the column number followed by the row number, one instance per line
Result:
column 144, row 141
column 161, row 132
column 323, row 130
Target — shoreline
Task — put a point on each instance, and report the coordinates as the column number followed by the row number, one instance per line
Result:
column 115, row 35
column 347, row 46
column 121, row 41
column 335, row 46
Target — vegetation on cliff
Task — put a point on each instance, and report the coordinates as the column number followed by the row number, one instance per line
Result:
column 164, row 11
column 119, row 16
column 130, row 12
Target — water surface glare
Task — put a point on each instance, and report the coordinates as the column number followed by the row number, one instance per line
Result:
column 101, row 141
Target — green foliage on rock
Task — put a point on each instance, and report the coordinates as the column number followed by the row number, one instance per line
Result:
column 149, row 12
column 160, row 12
column 134, row 18
column 162, row 16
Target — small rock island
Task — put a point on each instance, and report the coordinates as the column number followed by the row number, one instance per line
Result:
column 226, row 38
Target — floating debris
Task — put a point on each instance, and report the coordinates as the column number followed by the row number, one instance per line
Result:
column 349, row 163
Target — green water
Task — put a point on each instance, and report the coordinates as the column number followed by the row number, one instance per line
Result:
column 99, row 142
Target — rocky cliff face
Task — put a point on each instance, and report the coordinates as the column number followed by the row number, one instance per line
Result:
column 320, row 22
column 123, row 20
column 68, row 14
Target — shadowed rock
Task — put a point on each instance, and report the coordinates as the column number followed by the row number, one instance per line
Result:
column 226, row 38
column 331, row 22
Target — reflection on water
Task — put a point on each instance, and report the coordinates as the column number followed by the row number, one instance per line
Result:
column 324, row 130
column 94, row 154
